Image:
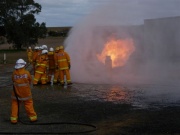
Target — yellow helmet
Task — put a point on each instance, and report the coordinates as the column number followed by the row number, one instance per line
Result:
column 61, row 47
column 57, row 49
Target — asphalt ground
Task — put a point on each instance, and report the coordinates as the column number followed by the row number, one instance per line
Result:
column 94, row 109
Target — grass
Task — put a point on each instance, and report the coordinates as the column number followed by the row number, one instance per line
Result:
column 12, row 55
column 49, row 41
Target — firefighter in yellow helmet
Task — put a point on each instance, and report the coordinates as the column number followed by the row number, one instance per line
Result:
column 22, row 80
column 29, row 54
column 63, row 62
column 56, row 73
column 51, row 64
column 41, row 68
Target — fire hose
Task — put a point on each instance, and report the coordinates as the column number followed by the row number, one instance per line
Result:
column 93, row 127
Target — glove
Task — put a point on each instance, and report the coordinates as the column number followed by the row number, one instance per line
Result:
column 69, row 66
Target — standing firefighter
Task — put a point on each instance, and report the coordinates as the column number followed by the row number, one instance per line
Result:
column 56, row 72
column 62, row 60
column 29, row 54
column 41, row 68
column 35, row 56
column 51, row 64
column 22, row 92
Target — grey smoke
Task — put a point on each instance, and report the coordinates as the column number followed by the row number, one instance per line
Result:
column 156, row 58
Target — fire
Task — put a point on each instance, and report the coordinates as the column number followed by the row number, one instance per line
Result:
column 118, row 50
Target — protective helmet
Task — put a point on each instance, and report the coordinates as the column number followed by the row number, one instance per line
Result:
column 40, row 48
column 57, row 49
column 44, row 52
column 44, row 47
column 51, row 49
column 29, row 47
column 61, row 47
column 36, row 48
column 20, row 63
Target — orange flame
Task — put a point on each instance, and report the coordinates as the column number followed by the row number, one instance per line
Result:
column 118, row 50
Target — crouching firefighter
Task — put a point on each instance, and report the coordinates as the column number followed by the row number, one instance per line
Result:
column 22, row 92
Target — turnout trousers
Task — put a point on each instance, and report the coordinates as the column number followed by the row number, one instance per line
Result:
column 61, row 75
column 28, row 104
column 40, row 77
column 56, row 76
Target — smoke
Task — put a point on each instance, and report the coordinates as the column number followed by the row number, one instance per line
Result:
column 155, row 59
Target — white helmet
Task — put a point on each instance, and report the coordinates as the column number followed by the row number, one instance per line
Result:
column 29, row 47
column 20, row 63
column 51, row 49
column 40, row 48
column 44, row 47
column 36, row 48
column 44, row 51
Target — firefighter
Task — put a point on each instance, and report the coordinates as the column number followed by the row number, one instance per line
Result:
column 39, row 53
column 62, row 60
column 56, row 73
column 29, row 54
column 51, row 64
column 22, row 80
column 41, row 68
column 35, row 56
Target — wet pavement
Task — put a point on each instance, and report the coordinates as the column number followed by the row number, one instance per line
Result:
column 139, row 96
column 111, row 108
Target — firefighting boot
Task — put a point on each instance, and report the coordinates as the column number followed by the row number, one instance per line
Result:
column 13, row 121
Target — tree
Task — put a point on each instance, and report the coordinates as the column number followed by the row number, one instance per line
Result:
column 17, row 17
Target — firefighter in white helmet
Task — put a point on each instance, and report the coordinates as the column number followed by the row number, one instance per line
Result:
column 62, row 60
column 35, row 53
column 41, row 68
column 51, row 65
column 40, row 51
column 35, row 56
column 22, row 80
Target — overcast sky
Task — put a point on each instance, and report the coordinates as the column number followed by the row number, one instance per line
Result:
column 59, row 13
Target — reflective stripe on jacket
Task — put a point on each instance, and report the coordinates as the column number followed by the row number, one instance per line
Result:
column 22, row 84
